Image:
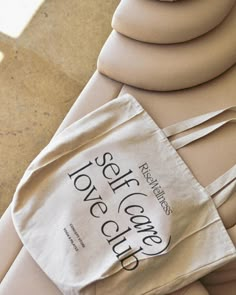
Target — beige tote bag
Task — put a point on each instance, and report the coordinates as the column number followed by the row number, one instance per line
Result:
column 109, row 206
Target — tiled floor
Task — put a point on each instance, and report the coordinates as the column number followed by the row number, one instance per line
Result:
column 42, row 72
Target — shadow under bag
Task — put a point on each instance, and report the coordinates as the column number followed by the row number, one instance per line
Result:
column 109, row 206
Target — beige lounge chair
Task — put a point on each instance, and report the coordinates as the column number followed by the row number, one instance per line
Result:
column 178, row 60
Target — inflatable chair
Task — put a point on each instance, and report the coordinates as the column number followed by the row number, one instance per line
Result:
column 177, row 58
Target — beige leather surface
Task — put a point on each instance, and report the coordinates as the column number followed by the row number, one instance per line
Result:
column 194, row 289
column 203, row 98
column 26, row 278
column 159, row 22
column 43, row 191
column 219, row 289
column 170, row 67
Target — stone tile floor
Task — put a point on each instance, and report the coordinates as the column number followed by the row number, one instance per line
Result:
column 42, row 72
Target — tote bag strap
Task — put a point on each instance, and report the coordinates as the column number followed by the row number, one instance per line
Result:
column 193, row 122
column 187, row 139
column 223, row 180
column 228, row 177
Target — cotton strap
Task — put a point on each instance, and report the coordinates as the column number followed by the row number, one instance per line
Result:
column 193, row 122
column 187, row 139
column 222, row 181
column 223, row 195
column 228, row 177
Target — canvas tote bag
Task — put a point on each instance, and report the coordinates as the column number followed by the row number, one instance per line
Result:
column 109, row 206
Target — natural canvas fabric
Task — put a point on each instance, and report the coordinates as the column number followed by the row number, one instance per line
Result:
column 109, row 206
